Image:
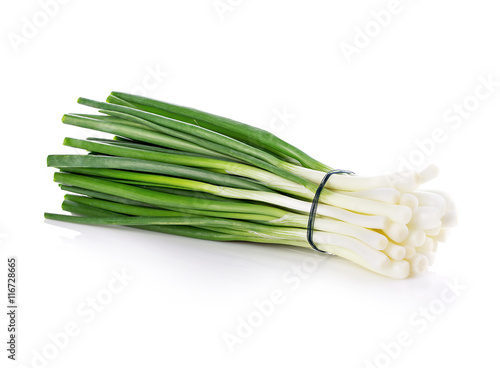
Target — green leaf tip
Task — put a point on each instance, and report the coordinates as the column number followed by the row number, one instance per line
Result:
column 65, row 118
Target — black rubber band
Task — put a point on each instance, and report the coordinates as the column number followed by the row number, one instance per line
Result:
column 314, row 207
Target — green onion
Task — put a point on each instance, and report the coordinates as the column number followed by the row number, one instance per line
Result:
column 181, row 171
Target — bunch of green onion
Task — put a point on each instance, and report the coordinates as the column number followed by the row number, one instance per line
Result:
column 181, row 171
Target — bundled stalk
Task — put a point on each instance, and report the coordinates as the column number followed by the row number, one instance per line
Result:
column 181, row 171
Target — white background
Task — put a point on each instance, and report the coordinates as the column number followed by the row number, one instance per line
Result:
column 258, row 58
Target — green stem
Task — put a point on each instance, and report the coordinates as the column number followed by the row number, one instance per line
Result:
column 148, row 147
column 124, row 163
column 145, row 135
column 265, row 177
column 128, row 209
column 195, row 195
column 188, row 231
column 204, row 138
column 163, row 200
column 246, row 133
